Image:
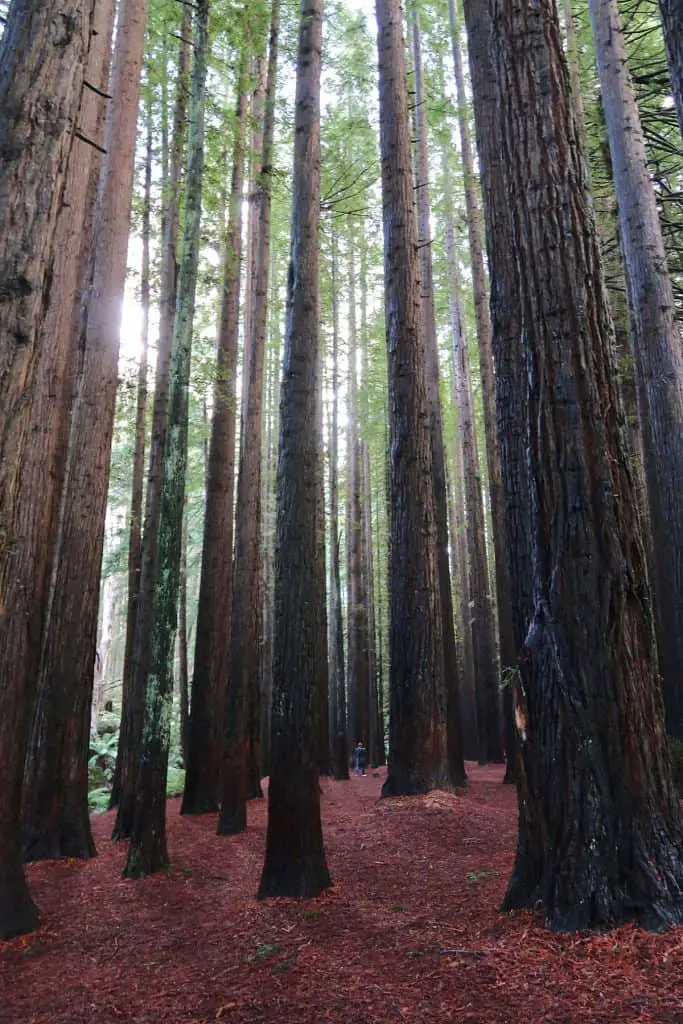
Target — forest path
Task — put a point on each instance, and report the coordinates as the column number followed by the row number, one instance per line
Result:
column 410, row 930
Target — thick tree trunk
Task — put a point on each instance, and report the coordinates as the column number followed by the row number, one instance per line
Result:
column 295, row 859
column 322, row 731
column 490, row 726
column 41, row 482
column 600, row 829
column 340, row 754
column 672, row 22
column 240, row 768
column 418, row 742
column 510, row 377
column 43, row 58
column 70, row 631
column 130, row 735
column 454, row 724
column 206, row 734
column 147, row 852
column 656, row 346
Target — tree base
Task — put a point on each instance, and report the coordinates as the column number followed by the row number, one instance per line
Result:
column 146, row 859
column 201, row 805
column 232, row 822
column 299, row 881
column 399, row 783
column 18, row 912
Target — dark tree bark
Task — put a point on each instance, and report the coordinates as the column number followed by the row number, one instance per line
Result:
column 510, row 377
column 43, row 57
column 672, row 22
column 147, row 852
column 124, row 785
column 454, row 724
column 295, row 863
column 183, row 668
column 340, row 755
column 655, row 343
column 215, row 589
column 600, row 828
column 322, row 731
column 418, row 746
column 240, row 769
column 66, row 676
column 490, row 722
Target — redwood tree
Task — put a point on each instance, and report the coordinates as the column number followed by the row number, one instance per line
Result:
column 60, row 788
column 215, row 588
column 600, row 828
column 655, row 343
column 43, row 55
column 241, row 733
column 418, row 754
column 295, row 862
column 147, row 851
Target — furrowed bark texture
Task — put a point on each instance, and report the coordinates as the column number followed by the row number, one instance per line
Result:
column 418, row 747
column 206, row 734
column 132, row 711
column 510, row 376
column 43, row 57
column 147, row 852
column 295, row 863
column 43, row 474
column 655, row 343
column 70, row 630
column 600, row 828
column 240, row 768
column 454, row 723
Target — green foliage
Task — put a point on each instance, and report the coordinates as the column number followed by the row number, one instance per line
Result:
column 264, row 951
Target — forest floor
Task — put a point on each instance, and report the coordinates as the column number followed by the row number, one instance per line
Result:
column 410, row 930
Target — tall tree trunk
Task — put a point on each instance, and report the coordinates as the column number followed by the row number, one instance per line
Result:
column 600, row 829
column 135, row 518
column 295, row 863
column 42, row 479
column 418, row 742
column 510, row 377
column 62, row 718
column 322, row 730
column 340, row 755
column 672, row 22
column 147, row 851
column 206, row 737
column 477, row 608
column 42, row 53
column 490, row 726
column 268, row 516
column 454, row 724
column 357, row 664
column 183, row 669
column 656, row 346
column 240, row 767
column 255, row 164
column 124, row 786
